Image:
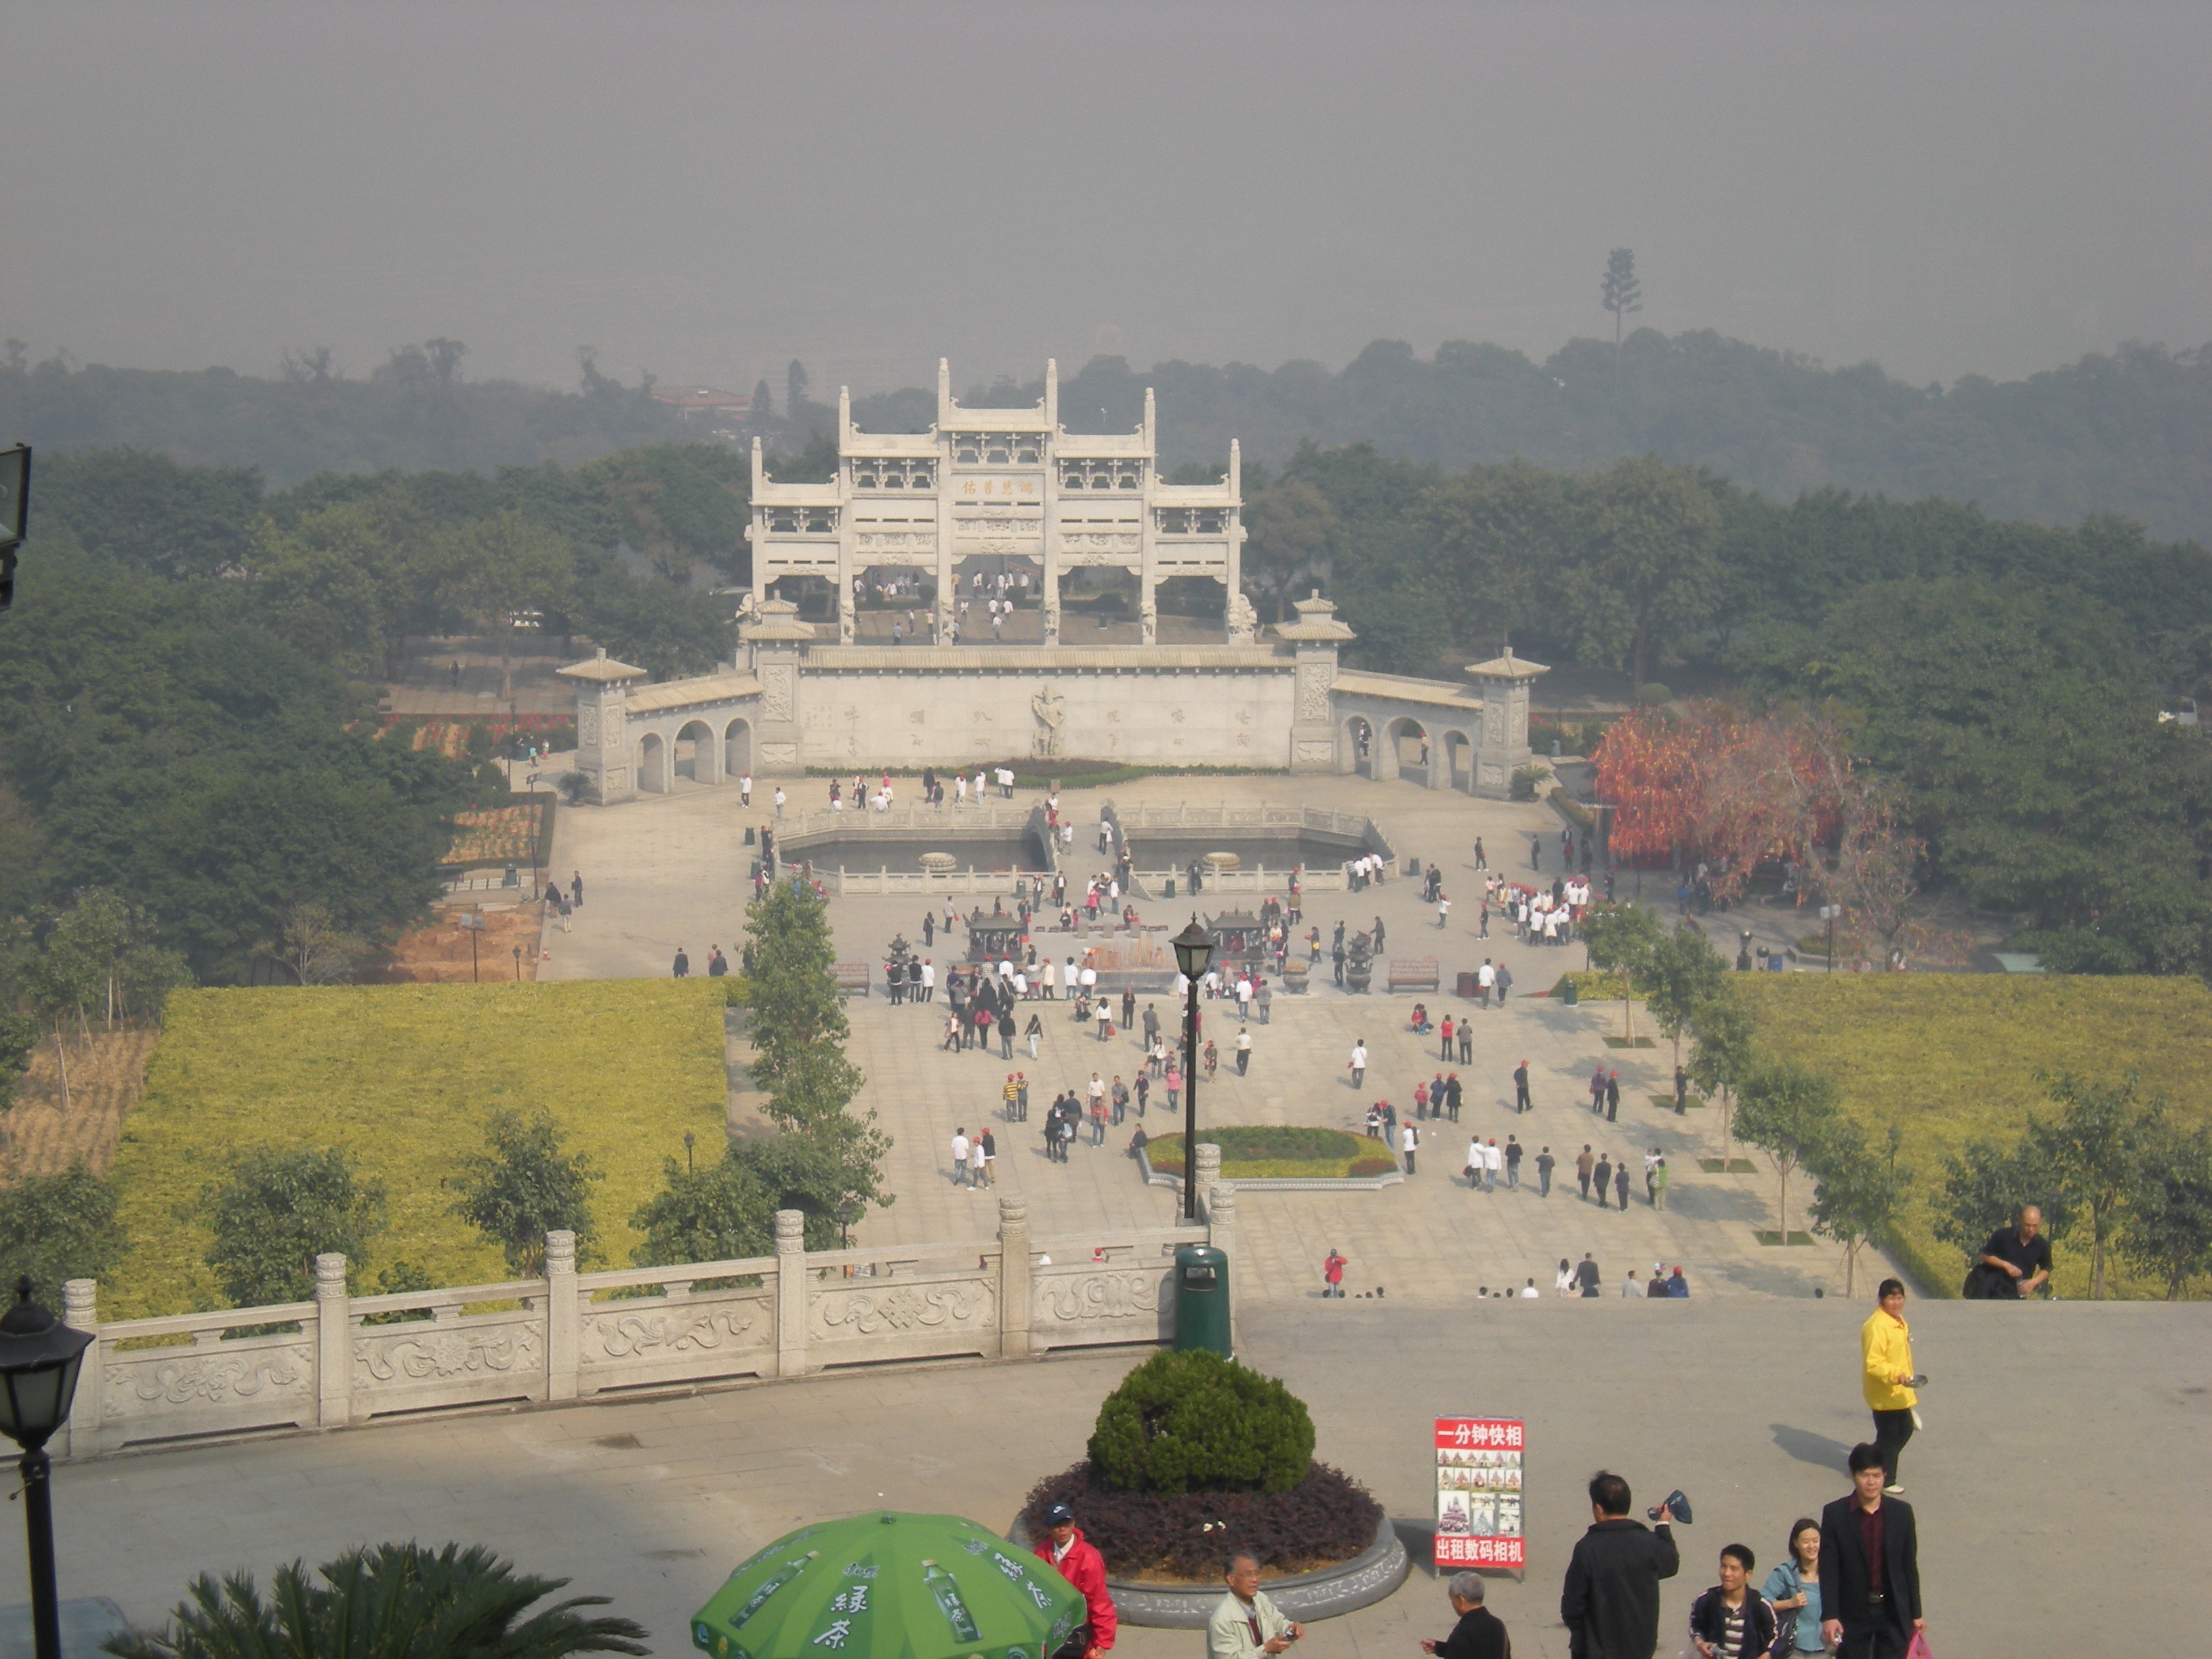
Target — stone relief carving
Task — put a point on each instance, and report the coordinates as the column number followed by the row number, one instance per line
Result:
column 1315, row 679
column 1317, row 749
column 1051, row 710
column 663, row 1333
column 215, row 1381
column 781, row 755
column 778, row 690
column 587, row 728
column 1074, row 1300
column 904, row 1308
column 443, row 1354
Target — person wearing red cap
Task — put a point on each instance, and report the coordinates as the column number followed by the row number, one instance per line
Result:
column 1078, row 1562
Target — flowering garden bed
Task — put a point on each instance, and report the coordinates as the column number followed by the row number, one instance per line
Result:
column 499, row 834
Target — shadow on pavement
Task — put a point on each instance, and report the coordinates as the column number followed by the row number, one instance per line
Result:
column 1809, row 1448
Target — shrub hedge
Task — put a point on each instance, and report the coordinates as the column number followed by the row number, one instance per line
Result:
column 1326, row 1518
column 1343, row 1155
column 1196, row 1422
column 1276, row 1140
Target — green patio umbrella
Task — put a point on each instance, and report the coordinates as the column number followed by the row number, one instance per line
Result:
column 889, row 1585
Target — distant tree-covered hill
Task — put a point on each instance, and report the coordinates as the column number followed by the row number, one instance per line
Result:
column 416, row 413
column 2130, row 433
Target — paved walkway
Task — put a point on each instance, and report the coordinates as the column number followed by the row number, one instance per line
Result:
column 662, row 872
column 2053, row 1483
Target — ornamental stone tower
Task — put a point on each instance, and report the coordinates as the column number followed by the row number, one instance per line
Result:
column 602, row 750
column 1504, row 682
column 1317, row 635
column 776, row 643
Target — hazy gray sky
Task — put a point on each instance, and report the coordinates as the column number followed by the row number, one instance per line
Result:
column 708, row 191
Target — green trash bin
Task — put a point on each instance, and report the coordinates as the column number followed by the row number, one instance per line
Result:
column 1574, row 993
column 1202, row 1299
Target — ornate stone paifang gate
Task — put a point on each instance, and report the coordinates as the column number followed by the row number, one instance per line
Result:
column 342, row 1360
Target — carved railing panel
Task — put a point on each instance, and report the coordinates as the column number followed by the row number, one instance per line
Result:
column 254, row 1381
column 905, row 1315
column 448, row 1361
column 633, row 1341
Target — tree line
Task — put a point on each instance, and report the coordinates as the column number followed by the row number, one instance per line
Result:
column 2003, row 678
column 2123, row 432
column 189, row 680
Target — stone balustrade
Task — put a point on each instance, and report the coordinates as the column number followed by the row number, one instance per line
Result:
column 342, row 1360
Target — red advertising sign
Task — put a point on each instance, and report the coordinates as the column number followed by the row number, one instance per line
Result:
column 1478, row 1478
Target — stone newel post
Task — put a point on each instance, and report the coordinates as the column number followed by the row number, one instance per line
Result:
column 81, row 1312
column 790, row 1294
column 334, row 1342
column 1013, row 1278
column 563, row 1315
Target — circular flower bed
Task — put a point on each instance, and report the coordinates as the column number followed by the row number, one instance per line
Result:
column 1194, row 1455
column 1327, row 1517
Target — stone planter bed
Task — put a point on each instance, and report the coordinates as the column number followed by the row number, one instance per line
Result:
column 1324, row 1592
column 1320, row 1182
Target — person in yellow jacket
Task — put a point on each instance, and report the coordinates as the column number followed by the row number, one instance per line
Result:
column 1886, row 1376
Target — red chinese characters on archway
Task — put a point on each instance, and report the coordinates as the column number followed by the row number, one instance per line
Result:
column 1479, row 1516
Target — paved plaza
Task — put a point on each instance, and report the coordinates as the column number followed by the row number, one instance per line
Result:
column 668, row 872
column 2054, row 1482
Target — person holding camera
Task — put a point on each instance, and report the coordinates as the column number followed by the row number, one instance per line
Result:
column 1886, row 1378
column 1610, row 1600
column 1246, row 1624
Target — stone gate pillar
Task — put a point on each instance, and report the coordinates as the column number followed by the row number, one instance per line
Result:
column 603, row 743
column 1504, row 682
column 1317, row 636
column 777, row 643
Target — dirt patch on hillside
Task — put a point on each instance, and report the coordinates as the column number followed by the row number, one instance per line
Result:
column 44, row 1138
column 439, row 954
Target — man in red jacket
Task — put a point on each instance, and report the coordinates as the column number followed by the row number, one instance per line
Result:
column 1080, row 1564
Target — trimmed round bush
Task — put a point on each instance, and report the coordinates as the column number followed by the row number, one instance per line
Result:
column 1196, row 1422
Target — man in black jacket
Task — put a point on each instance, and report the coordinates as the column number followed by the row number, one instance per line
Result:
column 1479, row 1635
column 1610, row 1602
column 1870, row 1567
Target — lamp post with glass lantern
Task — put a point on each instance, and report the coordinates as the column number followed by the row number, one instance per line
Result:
column 14, row 514
column 1828, row 914
column 38, row 1360
column 1193, row 949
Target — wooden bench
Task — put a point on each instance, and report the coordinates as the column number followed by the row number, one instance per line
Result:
column 1415, row 973
column 854, row 977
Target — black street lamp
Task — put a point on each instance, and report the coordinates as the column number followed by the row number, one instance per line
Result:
column 1828, row 914
column 849, row 1210
column 14, row 514
column 39, row 1361
column 690, row 1141
column 1193, row 949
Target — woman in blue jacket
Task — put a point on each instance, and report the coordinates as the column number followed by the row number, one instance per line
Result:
column 1794, row 1588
